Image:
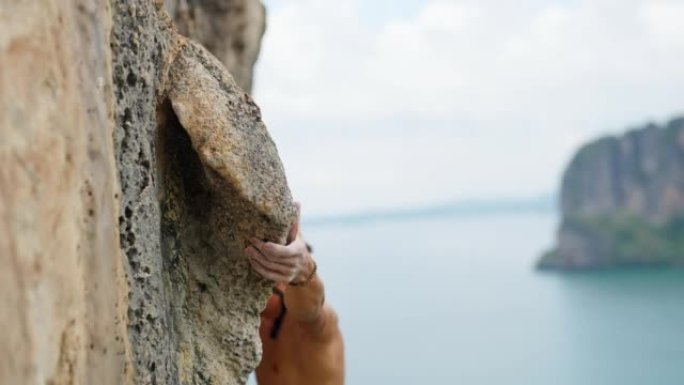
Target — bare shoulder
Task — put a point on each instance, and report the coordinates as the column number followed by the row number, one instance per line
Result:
column 330, row 315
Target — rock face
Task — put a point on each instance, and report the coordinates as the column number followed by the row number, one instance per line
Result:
column 134, row 168
column 62, row 286
column 623, row 202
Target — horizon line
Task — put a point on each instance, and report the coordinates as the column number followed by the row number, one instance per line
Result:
column 470, row 207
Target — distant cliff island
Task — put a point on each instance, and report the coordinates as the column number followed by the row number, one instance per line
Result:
column 622, row 202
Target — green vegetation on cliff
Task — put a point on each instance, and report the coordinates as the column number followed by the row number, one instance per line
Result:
column 623, row 239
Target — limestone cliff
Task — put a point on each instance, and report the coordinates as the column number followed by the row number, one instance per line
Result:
column 622, row 201
column 133, row 169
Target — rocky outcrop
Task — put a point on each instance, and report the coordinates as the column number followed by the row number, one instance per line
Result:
column 230, row 29
column 134, row 168
column 622, row 202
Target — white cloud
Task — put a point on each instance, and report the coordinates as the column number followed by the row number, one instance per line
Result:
column 433, row 106
column 662, row 21
column 447, row 17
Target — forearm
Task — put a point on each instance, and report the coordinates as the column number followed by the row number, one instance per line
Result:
column 305, row 301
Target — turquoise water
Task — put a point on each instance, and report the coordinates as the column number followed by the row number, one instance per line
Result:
column 449, row 300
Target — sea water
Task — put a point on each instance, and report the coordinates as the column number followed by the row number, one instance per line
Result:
column 456, row 300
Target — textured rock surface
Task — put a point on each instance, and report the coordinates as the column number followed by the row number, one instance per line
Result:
column 230, row 29
column 197, row 174
column 225, row 128
column 623, row 201
column 62, row 291
column 141, row 40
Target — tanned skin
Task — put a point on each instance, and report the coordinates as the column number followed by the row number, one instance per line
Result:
column 302, row 342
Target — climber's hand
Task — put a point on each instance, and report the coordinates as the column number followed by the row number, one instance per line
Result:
column 282, row 264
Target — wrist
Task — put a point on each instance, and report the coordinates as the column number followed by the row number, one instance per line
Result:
column 307, row 272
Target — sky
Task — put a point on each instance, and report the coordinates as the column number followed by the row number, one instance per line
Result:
column 381, row 104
